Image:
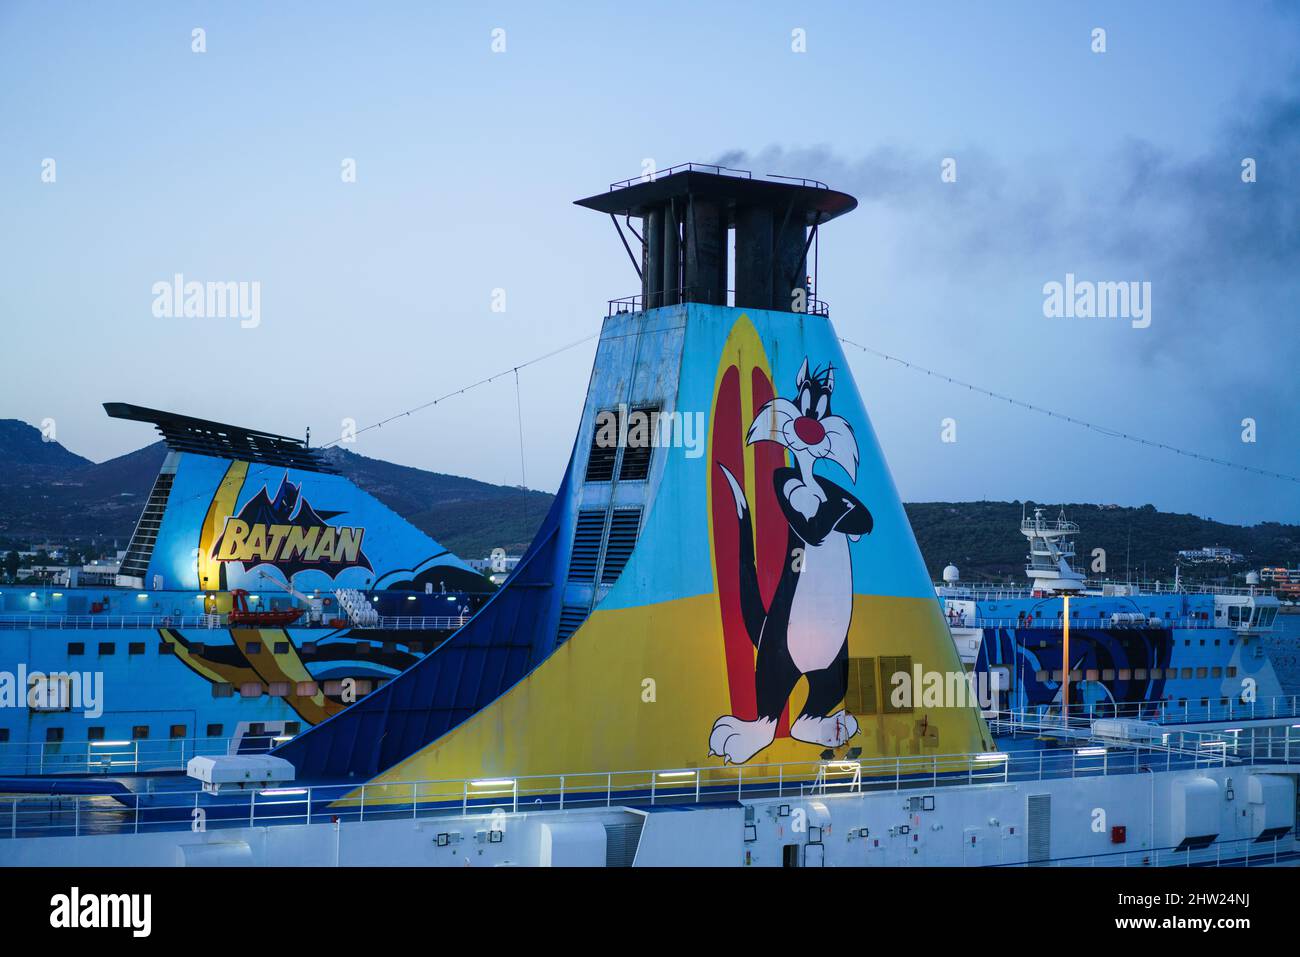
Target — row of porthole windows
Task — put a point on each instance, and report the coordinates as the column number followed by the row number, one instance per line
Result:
column 140, row 732
column 1136, row 674
column 77, row 648
column 301, row 689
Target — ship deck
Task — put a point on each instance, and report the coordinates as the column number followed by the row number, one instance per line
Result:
column 133, row 804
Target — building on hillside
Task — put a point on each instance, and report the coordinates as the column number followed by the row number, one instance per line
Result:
column 1210, row 555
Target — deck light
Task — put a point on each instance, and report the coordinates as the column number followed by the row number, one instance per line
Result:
column 109, row 744
column 676, row 774
column 1089, row 752
column 281, row 792
column 493, row 783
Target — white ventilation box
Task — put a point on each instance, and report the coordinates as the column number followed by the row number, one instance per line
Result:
column 1127, row 730
column 238, row 772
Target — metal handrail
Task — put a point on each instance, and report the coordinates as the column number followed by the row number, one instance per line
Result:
column 414, row 622
column 34, row 758
column 636, row 303
column 1055, row 623
column 104, row 622
column 680, row 167
column 42, row 816
column 1168, row 712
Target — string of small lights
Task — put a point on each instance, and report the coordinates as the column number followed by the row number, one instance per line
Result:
column 1101, row 430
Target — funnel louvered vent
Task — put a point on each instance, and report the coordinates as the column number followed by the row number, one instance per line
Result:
column 623, row 528
column 586, row 545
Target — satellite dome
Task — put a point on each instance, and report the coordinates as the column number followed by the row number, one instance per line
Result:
column 950, row 574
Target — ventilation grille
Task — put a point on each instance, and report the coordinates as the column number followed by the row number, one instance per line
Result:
column 642, row 429
column 861, row 696
column 1040, row 829
column 621, row 842
column 140, row 551
column 571, row 619
column 586, row 545
column 600, row 460
column 889, row 666
column 623, row 528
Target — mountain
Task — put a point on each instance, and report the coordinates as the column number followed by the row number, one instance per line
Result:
column 48, row 492
column 23, row 447
column 41, row 500
column 467, row 516
column 983, row 540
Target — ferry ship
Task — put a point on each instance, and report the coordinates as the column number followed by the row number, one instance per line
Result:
column 260, row 593
column 696, row 660
column 1136, row 650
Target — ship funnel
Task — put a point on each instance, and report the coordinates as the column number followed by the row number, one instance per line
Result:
column 688, row 214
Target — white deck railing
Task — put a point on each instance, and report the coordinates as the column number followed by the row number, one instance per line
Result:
column 44, row 816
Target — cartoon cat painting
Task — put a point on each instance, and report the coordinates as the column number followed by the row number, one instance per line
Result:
column 803, row 630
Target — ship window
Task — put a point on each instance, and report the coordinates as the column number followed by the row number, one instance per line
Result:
column 1140, row 674
column 586, row 545
column 278, row 689
column 4, row 735
column 250, row 689
column 334, row 687
column 390, row 646
column 363, row 686
column 643, row 425
column 76, row 648
column 135, row 648
column 600, row 460
column 214, row 730
column 95, row 734
column 1041, row 675
column 363, row 647
column 198, row 648
column 140, row 732
column 309, row 647
column 53, row 735
column 107, row 647
column 1076, row 674
column 1187, row 672
column 861, row 697
column 623, row 527
column 1125, row 674
column 1057, row 674
column 308, row 689
column 177, row 731
column 281, row 648
column 1202, row 672
column 890, row 667
column 1108, row 674
column 1202, row 642
column 1093, row 674
column 222, row 689
column 257, row 729
column 292, row 727
column 253, row 648
column 165, row 648
column 1216, row 672
column 415, row 647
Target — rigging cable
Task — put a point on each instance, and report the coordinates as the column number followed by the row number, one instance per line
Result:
column 473, row 385
column 1102, row 430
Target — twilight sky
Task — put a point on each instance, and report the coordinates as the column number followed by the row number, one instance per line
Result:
column 376, row 295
